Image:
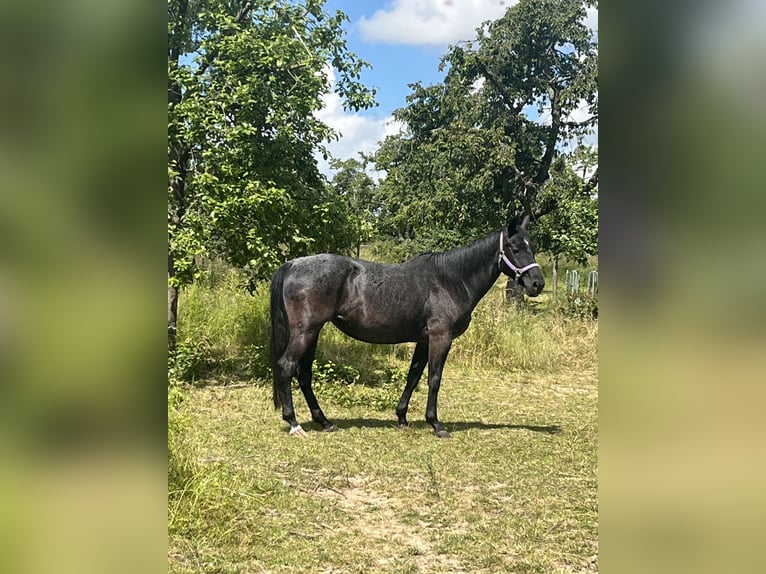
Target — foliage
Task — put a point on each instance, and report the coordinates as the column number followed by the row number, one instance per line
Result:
column 358, row 191
column 191, row 360
column 232, row 331
column 244, row 81
column 223, row 329
column 472, row 153
column 579, row 305
column 348, row 386
column 328, row 372
column 389, row 250
column 258, row 361
column 570, row 227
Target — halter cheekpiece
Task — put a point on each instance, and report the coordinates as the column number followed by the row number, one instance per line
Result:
column 519, row 271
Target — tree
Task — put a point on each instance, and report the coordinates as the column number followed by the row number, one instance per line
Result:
column 358, row 191
column 473, row 153
column 569, row 227
column 244, row 80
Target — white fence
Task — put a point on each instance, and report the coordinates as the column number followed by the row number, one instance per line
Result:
column 572, row 282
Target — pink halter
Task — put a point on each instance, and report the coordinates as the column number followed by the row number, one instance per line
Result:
column 518, row 271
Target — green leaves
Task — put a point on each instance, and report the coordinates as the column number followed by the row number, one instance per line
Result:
column 570, row 226
column 476, row 151
column 358, row 192
column 244, row 81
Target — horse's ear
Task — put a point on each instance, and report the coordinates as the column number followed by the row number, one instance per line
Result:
column 524, row 222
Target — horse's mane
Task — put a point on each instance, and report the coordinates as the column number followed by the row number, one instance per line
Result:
column 466, row 259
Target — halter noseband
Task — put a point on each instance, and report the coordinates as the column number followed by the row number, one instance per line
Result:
column 518, row 271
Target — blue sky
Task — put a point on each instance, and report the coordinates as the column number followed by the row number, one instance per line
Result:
column 403, row 40
column 394, row 66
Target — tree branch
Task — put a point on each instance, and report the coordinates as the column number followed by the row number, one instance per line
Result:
column 507, row 99
column 550, row 145
column 522, row 178
column 591, row 184
column 242, row 15
column 587, row 121
column 244, row 12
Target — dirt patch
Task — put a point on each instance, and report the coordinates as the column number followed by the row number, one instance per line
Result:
column 587, row 566
column 377, row 518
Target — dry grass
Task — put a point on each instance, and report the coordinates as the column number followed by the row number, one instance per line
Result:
column 513, row 490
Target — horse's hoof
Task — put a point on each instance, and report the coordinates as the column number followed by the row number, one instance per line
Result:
column 331, row 428
column 298, row 431
column 403, row 426
column 442, row 434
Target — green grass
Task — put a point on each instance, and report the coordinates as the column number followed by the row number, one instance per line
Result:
column 513, row 490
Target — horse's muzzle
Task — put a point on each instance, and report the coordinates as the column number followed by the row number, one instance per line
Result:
column 534, row 287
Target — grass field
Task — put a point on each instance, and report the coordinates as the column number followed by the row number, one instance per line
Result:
column 513, row 490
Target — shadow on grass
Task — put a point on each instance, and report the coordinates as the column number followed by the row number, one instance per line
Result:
column 451, row 426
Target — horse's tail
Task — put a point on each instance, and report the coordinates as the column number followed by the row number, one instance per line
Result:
column 280, row 332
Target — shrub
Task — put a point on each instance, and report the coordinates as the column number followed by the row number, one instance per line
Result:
column 191, row 360
column 348, row 387
column 580, row 305
column 257, row 360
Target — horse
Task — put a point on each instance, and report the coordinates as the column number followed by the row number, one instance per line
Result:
column 427, row 300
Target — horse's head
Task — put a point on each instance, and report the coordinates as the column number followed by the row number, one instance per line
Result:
column 517, row 258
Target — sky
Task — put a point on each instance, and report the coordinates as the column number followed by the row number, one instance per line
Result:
column 404, row 41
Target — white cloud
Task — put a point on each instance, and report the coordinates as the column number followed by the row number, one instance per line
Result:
column 478, row 84
column 580, row 113
column 434, row 22
column 358, row 133
column 591, row 18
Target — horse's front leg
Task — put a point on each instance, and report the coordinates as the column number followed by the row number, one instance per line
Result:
column 438, row 349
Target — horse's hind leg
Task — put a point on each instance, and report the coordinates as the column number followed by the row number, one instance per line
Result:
column 304, row 379
column 288, row 366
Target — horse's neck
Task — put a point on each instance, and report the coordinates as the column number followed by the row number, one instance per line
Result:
column 481, row 283
column 476, row 265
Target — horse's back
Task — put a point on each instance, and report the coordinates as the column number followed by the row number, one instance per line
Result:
column 323, row 274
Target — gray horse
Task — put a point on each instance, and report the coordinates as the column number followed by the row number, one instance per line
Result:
column 427, row 300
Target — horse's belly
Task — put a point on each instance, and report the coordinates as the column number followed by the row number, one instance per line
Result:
column 385, row 332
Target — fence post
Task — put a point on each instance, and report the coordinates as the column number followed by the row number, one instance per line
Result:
column 593, row 282
column 572, row 281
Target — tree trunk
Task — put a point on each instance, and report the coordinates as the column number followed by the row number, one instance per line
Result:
column 556, row 277
column 514, row 293
column 172, row 306
column 178, row 188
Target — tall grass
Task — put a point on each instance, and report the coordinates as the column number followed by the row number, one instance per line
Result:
column 535, row 338
column 221, row 311
column 223, row 332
